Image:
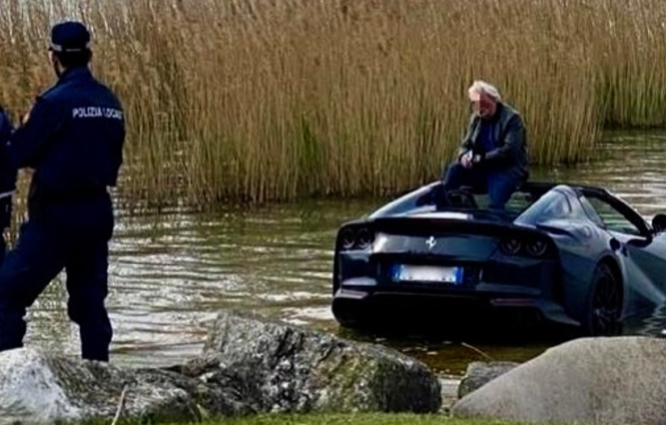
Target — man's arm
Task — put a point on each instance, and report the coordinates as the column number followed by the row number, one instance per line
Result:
column 30, row 139
column 466, row 144
column 513, row 142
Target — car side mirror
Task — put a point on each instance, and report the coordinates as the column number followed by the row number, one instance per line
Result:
column 659, row 223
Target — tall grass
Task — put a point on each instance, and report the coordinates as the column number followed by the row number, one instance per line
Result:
column 275, row 99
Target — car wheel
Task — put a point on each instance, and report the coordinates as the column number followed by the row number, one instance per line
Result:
column 604, row 306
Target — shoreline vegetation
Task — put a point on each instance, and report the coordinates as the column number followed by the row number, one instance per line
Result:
column 260, row 100
column 340, row 419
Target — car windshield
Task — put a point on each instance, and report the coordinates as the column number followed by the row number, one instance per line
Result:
column 553, row 205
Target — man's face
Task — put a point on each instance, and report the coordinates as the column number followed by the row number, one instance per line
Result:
column 484, row 105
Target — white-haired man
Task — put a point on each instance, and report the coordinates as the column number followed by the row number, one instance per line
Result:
column 493, row 155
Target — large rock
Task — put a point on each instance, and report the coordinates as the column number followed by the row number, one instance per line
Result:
column 277, row 367
column 249, row 365
column 593, row 380
column 39, row 388
column 479, row 374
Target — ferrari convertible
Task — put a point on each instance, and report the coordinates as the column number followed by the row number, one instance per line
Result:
column 562, row 254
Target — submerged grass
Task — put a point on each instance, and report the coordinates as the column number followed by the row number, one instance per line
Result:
column 257, row 100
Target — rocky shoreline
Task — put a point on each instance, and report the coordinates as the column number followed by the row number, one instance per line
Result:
column 251, row 365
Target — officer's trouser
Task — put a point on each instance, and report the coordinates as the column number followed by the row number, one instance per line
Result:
column 40, row 254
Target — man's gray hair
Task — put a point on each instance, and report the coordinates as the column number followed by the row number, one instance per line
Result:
column 482, row 87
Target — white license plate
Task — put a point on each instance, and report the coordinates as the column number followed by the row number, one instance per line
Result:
column 410, row 273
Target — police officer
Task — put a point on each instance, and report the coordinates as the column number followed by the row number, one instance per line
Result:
column 7, row 180
column 72, row 140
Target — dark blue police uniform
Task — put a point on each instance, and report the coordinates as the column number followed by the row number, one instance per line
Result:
column 73, row 139
column 7, row 180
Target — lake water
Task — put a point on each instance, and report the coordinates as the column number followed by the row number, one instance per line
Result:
column 170, row 274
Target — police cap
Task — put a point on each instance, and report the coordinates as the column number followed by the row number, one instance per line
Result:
column 69, row 36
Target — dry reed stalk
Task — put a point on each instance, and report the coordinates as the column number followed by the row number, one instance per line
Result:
column 258, row 100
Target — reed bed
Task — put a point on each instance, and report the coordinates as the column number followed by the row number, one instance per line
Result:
column 260, row 100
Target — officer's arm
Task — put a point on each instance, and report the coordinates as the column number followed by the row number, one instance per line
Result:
column 7, row 172
column 6, row 126
column 30, row 140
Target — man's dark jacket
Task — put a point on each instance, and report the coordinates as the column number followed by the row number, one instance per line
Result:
column 510, row 155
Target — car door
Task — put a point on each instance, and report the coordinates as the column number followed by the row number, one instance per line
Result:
column 644, row 254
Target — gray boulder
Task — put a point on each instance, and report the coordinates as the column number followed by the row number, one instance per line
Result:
column 592, row 380
column 277, row 367
column 37, row 388
column 480, row 373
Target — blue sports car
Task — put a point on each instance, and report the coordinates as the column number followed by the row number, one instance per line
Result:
column 568, row 255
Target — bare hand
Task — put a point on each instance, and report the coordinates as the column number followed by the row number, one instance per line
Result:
column 465, row 161
column 477, row 159
column 26, row 117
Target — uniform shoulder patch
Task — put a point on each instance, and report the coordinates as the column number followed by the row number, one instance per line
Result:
column 97, row 112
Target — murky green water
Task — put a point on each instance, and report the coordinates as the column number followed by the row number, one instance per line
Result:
column 170, row 274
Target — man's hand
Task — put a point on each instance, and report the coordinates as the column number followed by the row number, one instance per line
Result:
column 477, row 159
column 465, row 161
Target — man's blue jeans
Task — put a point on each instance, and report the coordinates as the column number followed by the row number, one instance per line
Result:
column 497, row 184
